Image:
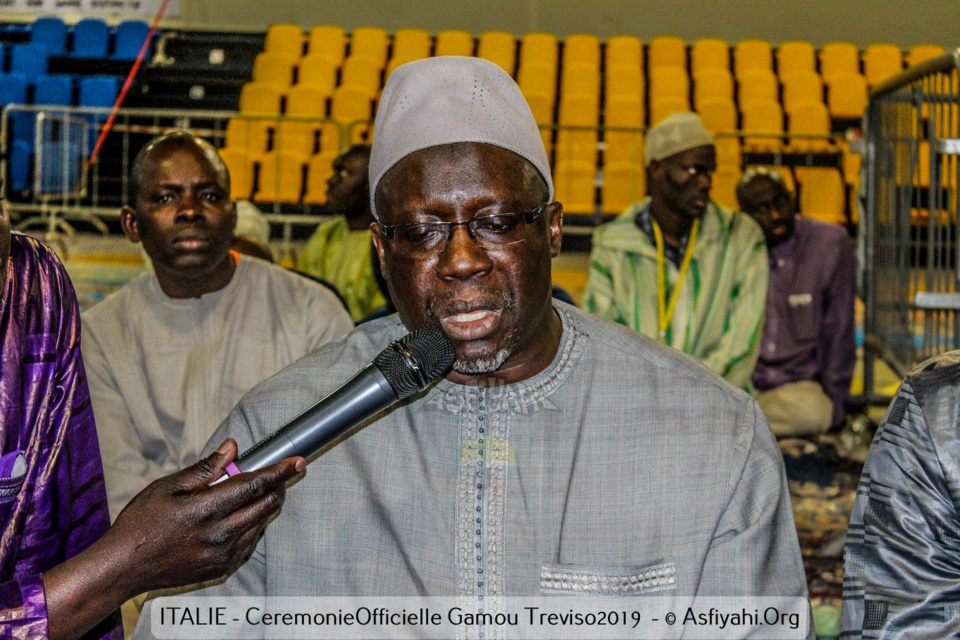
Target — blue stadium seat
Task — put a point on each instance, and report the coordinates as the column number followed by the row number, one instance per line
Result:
column 59, row 174
column 20, row 165
column 13, row 88
column 50, row 32
column 56, row 89
column 129, row 38
column 29, row 60
column 97, row 91
column 91, row 39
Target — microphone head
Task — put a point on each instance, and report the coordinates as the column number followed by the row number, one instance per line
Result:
column 415, row 360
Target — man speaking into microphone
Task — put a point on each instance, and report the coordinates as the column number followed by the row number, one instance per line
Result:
column 557, row 443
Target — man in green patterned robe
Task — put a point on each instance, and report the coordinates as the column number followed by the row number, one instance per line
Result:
column 680, row 268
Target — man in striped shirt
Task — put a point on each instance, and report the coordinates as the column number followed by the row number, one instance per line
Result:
column 680, row 268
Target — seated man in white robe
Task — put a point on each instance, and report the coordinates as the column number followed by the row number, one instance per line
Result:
column 173, row 351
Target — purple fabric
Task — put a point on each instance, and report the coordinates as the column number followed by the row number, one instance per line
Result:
column 808, row 333
column 45, row 412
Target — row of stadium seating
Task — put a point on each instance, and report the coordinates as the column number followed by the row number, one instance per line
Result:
column 312, row 93
column 573, row 86
column 89, row 38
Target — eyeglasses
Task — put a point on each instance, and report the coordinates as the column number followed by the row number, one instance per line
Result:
column 490, row 232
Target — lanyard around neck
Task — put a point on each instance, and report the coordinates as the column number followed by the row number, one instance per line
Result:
column 665, row 312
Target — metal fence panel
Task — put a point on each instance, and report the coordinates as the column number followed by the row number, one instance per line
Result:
column 909, row 234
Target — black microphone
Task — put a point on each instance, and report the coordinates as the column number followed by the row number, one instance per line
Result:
column 404, row 368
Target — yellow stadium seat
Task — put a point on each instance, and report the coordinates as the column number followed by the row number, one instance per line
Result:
column 370, row 42
column 540, row 48
column 453, row 42
column 880, row 61
column 319, row 170
column 763, row 117
column 500, row 48
column 249, row 134
column 350, row 103
column 712, row 83
column 537, row 78
column 351, row 107
column 723, row 189
column 541, row 104
column 577, row 146
column 669, row 82
column 921, row 175
column 624, row 50
column 299, row 136
column 273, row 68
column 581, row 48
column 728, row 151
column 665, row 106
column 580, row 78
column 281, row 178
column 295, row 136
column 757, row 85
column 317, row 71
column 838, row 58
column 801, row 86
column 308, row 100
column 328, row 42
column 259, row 98
column 574, row 185
column 240, row 167
column 709, row 53
column 822, row 195
column 752, row 54
column 623, row 184
column 623, row 111
column 411, row 44
column 667, row 51
column 285, row 39
column 623, row 80
column 809, row 118
column 622, row 147
column 579, row 109
column 920, row 52
column 360, row 72
column 333, row 137
column 795, row 55
column 847, row 96
column 718, row 114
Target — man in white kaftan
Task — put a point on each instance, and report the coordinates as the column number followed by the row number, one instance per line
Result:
column 171, row 353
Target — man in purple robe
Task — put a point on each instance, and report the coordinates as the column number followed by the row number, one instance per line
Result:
column 63, row 571
column 807, row 351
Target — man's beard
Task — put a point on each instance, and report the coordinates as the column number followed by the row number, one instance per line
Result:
column 482, row 365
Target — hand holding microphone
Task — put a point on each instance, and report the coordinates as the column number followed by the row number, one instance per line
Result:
column 404, row 368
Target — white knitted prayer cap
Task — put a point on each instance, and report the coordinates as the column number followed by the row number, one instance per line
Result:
column 450, row 99
column 676, row 133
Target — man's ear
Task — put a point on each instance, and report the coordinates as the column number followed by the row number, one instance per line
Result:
column 378, row 245
column 555, row 225
column 128, row 222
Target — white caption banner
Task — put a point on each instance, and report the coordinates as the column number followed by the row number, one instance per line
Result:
column 559, row 617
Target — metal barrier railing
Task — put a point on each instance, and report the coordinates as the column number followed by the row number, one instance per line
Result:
column 909, row 234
